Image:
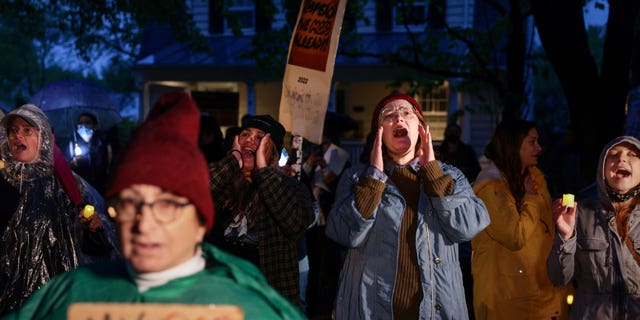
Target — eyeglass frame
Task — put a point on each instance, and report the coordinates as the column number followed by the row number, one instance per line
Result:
column 396, row 113
column 138, row 205
column 26, row 131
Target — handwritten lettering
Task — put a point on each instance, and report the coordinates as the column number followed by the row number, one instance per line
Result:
column 310, row 42
column 327, row 10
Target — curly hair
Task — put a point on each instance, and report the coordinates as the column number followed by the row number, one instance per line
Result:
column 504, row 151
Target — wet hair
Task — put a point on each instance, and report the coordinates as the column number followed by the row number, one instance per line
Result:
column 504, row 151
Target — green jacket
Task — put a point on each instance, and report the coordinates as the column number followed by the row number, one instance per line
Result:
column 226, row 280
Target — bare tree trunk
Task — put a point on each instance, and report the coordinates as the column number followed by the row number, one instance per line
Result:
column 515, row 62
column 596, row 102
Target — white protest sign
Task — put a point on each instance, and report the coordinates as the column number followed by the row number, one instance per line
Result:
column 306, row 85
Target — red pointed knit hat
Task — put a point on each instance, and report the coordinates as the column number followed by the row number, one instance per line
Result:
column 392, row 97
column 164, row 152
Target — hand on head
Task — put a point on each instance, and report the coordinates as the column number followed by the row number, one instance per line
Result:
column 235, row 151
column 376, row 151
column 264, row 152
column 425, row 153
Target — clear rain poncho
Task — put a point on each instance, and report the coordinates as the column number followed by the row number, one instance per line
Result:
column 44, row 235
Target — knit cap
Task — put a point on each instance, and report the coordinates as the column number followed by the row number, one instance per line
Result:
column 392, row 97
column 164, row 152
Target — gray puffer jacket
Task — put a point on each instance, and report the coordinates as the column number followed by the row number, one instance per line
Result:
column 595, row 258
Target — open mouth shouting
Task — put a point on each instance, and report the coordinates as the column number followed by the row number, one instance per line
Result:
column 399, row 132
column 19, row 147
column 622, row 173
column 248, row 152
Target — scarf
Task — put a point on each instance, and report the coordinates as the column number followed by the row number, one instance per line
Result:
column 618, row 197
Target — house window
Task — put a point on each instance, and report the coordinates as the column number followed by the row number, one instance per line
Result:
column 435, row 105
column 383, row 15
column 242, row 13
column 413, row 14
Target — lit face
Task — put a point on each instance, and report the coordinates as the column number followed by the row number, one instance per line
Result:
column 297, row 142
column 23, row 140
column 622, row 168
column 249, row 141
column 152, row 246
column 400, row 129
column 530, row 149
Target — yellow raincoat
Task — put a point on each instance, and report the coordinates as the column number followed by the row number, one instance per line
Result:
column 509, row 264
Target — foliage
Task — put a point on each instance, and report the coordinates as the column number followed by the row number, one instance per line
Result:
column 98, row 25
column 94, row 30
column 474, row 56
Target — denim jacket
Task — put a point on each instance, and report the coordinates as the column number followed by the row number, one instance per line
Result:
column 368, row 275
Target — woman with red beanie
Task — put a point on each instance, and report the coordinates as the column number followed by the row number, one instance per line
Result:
column 401, row 216
column 161, row 203
column 261, row 211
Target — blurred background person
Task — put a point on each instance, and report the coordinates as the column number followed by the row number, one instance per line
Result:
column 92, row 151
column 43, row 232
column 302, row 148
column 325, row 165
column 210, row 140
column 596, row 246
column 509, row 264
column 162, row 207
column 457, row 153
column 262, row 212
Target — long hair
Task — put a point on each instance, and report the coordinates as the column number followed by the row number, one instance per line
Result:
column 504, row 151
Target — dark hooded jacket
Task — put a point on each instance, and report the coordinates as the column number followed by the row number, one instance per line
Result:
column 596, row 259
column 41, row 234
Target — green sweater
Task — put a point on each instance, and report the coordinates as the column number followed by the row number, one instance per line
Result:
column 226, row 280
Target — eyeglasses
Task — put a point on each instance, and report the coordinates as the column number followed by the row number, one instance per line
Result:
column 163, row 210
column 25, row 131
column 391, row 114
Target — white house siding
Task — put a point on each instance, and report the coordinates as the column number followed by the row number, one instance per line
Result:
column 460, row 13
column 482, row 119
column 200, row 12
column 369, row 12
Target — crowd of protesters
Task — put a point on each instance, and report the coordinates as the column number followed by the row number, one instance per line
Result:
column 189, row 216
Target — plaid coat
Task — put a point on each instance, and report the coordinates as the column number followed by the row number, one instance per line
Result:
column 283, row 214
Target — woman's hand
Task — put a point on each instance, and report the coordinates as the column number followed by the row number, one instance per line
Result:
column 235, row 151
column 530, row 186
column 90, row 221
column 376, row 151
column 264, row 152
column 425, row 153
column 564, row 217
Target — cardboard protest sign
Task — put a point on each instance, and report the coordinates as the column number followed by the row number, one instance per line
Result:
column 306, row 85
column 153, row 311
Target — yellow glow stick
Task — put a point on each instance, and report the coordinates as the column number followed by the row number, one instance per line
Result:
column 568, row 200
column 88, row 211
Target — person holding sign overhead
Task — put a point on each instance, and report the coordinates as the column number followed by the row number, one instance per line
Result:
column 596, row 245
column 162, row 206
